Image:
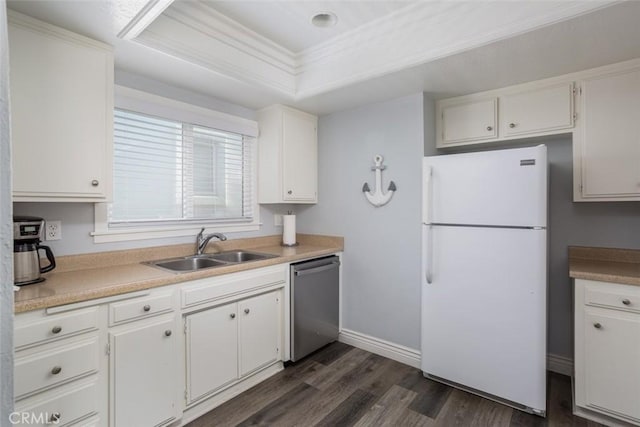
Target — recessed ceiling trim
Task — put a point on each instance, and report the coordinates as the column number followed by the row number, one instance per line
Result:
column 417, row 34
column 147, row 14
column 190, row 44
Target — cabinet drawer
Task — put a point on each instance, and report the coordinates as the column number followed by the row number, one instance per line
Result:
column 60, row 407
column 55, row 366
column 613, row 296
column 124, row 311
column 54, row 327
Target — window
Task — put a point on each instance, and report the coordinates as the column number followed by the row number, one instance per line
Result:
column 175, row 170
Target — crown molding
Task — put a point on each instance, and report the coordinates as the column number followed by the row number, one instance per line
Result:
column 414, row 35
column 143, row 18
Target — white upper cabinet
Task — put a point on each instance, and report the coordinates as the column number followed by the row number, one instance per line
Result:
column 537, row 110
column 534, row 109
column 61, row 113
column 468, row 121
column 607, row 147
column 288, row 156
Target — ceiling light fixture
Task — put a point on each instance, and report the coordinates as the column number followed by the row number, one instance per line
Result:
column 324, row 19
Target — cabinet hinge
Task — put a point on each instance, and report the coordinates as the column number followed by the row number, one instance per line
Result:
column 185, row 327
column 575, row 117
column 107, row 349
column 186, row 396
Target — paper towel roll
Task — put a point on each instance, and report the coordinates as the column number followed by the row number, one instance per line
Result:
column 288, row 230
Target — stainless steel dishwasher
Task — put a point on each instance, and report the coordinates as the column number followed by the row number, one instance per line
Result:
column 314, row 305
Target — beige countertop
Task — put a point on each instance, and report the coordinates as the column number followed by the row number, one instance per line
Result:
column 605, row 264
column 84, row 277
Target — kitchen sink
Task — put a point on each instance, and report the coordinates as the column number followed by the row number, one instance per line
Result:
column 239, row 256
column 201, row 262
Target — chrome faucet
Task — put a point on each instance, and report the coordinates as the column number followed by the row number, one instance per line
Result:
column 201, row 242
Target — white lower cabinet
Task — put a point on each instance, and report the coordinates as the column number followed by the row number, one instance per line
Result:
column 212, row 350
column 227, row 342
column 259, row 334
column 607, row 351
column 143, row 366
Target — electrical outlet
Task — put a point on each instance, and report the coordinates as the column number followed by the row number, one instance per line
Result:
column 277, row 220
column 53, row 230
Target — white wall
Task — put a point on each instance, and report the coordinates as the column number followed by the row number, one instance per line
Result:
column 381, row 269
column 6, row 234
column 78, row 218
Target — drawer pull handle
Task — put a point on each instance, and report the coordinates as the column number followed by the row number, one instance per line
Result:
column 597, row 325
column 626, row 301
column 146, row 307
column 167, row 332
column 95, row 182
column 232, row 315
column 55, row 417
column 489, row 128
column 246, row 311
column 512, row 125
column 56, row 370
column 56, row 329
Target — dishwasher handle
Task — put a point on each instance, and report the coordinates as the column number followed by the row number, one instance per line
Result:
column 329, row 266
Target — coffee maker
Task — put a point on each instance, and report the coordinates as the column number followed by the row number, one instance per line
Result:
column 27, row 234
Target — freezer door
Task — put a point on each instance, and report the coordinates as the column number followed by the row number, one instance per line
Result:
column 484, row 312
column 502, row 187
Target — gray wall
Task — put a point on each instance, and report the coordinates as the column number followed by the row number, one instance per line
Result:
column 6, row 234
column 381, row 270
column 78, row 218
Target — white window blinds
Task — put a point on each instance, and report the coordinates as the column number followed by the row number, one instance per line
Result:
column 169, row 171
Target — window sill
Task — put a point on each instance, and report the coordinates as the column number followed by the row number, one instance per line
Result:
column 128, row 234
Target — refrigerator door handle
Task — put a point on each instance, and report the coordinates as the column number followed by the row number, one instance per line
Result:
column 429, row 260
column 427, row 195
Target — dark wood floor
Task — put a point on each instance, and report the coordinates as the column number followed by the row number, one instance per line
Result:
column 342, row 385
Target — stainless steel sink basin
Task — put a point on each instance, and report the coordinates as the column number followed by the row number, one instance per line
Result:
column 200, row 262
column 187, row 264
column 239, row 256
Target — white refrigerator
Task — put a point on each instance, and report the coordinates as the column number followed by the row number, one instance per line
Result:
column 484, row 291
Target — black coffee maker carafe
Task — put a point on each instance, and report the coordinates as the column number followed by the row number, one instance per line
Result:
column 27, row 234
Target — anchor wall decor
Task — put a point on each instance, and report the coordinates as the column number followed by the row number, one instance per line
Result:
column 378, row 198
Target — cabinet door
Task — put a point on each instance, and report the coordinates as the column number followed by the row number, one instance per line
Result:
column 537, row 111
column 612, row 361
column 144, row 369
column 300, row 156
column 610, row 140
column 61, row 114
column 212, row 350
column 469, row 121
column 259, row 331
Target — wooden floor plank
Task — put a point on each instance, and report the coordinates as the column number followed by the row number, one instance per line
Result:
column 273, row 413
column 349, row 411
column 431, row 395
column 330, row 353
column 325, row 377
column 492, row 414
column 459, row 410
column 388, row 409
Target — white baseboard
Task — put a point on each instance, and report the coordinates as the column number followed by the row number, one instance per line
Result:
column 409, row 356
column 399, row 353
column 560, row 364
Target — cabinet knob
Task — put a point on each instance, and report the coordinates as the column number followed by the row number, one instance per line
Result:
column 146, row 307
column 232, row 315
column 167, row 332
column 512, row 125
column 626, row 301
column 489, row 128
column 95, row 182
column 55, row 417
column 56, row 330
column 56, row 370
column 290, row 192
column 246, row 311
column 597, row 325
